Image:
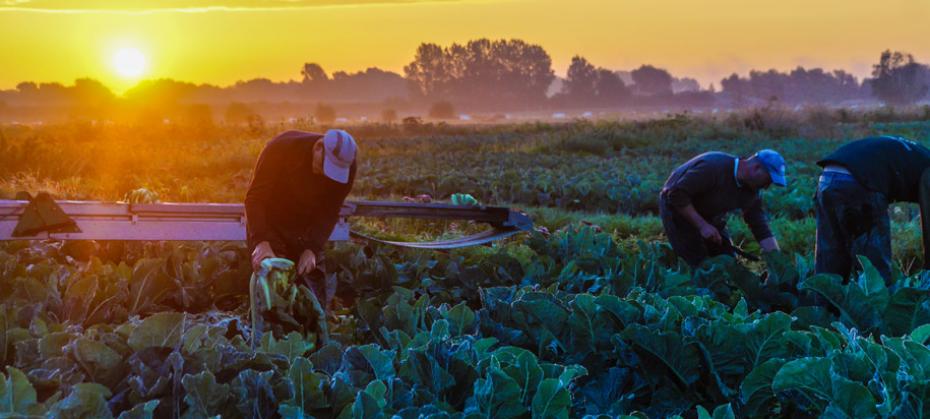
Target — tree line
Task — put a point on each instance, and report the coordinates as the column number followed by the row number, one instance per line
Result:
column 494, row 75
column 897, row 79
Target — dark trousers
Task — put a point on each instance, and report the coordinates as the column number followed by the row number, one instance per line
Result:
column 686, row 239
column 851, row 221
column 322, row 284
column 923, row 199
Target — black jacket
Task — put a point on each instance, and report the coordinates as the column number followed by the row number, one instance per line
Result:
column 287, row 204
column 890, row 165
column 708, row 182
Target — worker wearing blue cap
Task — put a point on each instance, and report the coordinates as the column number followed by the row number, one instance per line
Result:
column 859, row 180
column 699, row 194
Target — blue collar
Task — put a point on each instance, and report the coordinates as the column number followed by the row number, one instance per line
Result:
column 735, row 172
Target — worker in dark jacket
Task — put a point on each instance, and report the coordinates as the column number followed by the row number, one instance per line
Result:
column 297, row 189
column 859, row 180
column 699, row 194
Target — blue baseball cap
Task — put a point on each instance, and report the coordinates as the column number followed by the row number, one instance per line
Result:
column 339, row 151
column 775, row 164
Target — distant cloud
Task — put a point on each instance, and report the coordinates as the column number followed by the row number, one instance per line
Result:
column 183, row 6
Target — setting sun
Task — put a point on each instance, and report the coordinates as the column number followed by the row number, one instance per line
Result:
column 129, row 63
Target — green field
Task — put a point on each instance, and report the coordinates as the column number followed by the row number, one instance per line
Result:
column 591, row 314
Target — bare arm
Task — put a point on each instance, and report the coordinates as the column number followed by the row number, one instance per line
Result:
column 708, row 231
column 758, row 222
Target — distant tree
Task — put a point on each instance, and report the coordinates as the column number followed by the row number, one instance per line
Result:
column 732, row 84
column 442, row 110
column 163, row 93
column 797, row 86
column 609, row 87
column 483, row 71
column 846, row 81
column 373, row 84
column 819, row 86
column 581, row 79
column 429, row 70
column 734, row 87
column 164, row 97
column 313, row 73
column 89, row 99
column 389, row 116
column 588, row 85
column 521, row 72
column 649, row 80
column 265, row 90
column 28, row 92
column 89, row 92
column 324, row 114
column 768, row 84
column 27, row 87
column 898, row 79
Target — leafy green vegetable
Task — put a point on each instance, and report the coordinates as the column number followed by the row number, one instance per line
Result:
column 17, row 394
column 571, row 324
column 205, row 397
column 162, row 330
column 463, row 199
column 86, row 401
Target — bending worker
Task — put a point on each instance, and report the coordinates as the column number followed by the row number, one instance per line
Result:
column 859, row 180
column 699, row 194
column 299, row 184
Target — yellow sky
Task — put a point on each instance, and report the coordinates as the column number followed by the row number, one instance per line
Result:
column 220, row 42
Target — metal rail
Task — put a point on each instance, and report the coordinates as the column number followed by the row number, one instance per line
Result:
column 226, row 222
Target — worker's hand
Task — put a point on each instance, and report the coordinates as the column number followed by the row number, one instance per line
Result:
column 710, row 233
column 262, row 251
column 307, row 262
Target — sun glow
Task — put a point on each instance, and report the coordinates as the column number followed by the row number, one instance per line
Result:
column 129, row 63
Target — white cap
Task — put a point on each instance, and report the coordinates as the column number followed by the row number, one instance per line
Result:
column 339, row 151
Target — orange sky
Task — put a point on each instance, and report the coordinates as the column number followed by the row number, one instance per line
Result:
column 222, row 41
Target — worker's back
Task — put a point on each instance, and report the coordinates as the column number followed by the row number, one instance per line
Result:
column 890, row 165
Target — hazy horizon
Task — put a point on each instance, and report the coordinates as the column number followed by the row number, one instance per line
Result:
column 220, row 42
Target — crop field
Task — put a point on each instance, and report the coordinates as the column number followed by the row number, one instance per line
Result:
column 588, row 315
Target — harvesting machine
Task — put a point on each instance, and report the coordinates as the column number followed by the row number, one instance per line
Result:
column 42, row 218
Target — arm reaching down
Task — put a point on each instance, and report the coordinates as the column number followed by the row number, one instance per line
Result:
column 262, row 251
column 307, row 262
column 758, row 222
column 708, row 231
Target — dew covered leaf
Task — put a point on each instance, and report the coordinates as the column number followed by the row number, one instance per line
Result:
column 158, row 330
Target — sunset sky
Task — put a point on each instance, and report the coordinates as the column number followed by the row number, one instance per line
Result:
column 222, row 41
